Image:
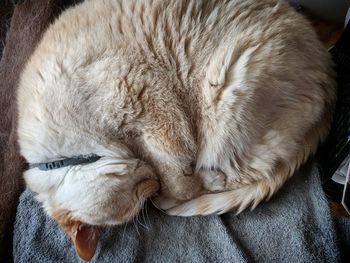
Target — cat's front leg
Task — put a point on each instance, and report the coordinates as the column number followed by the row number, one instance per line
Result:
column 185, row 187
column 177, row 190
column 182, row 187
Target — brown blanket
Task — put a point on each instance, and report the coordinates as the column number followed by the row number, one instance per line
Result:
column 28, row 22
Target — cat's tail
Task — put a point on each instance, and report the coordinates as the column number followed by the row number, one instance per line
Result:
column 250, row 195
column 236, row 200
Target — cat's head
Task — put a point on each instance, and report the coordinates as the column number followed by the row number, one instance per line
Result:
column 108, row 191
column 81, row 197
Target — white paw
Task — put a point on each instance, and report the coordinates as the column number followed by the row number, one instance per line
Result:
column 213, row 180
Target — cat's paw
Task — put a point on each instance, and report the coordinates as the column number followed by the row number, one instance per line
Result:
column 184, row 187
column 213, row 181
column 165, row 202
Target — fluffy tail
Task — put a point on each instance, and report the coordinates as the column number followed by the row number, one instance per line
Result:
column 250, row 195
column 238, row 199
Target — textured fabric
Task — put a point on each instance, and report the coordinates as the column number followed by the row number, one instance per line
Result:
column 343, row 230
column 294, row 226
column 28, row 21
column 6, row 10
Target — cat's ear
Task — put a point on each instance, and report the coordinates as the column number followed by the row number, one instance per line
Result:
column 85, row 240
column 84, row 237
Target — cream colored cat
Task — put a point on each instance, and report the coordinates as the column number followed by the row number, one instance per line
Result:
column 201, row 96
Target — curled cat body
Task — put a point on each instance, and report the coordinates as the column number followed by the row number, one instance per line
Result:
column 216, row 103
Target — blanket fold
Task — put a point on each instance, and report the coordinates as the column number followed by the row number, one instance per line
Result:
column 29, row 20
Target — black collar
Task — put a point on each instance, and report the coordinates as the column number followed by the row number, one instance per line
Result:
column 75, row 160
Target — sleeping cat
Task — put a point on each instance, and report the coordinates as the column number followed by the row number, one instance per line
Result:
column 211, row 105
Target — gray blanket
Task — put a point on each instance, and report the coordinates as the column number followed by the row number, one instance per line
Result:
column 294, row 226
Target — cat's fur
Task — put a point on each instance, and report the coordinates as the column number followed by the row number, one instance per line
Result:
column 206, row 96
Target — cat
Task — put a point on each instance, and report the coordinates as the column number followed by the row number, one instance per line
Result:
column 210, row 106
